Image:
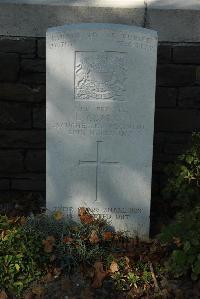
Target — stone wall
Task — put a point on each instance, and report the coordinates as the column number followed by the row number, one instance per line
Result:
column 22, row 116
column 177, row 112
column 22, row 122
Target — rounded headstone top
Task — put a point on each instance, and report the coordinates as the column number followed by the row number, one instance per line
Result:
column 103, row 27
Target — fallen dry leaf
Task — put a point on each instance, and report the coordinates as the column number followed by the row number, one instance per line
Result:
column 52, row 258
column 67, row 240
column 179, row 294
column 75, row 228
column 28, row 295
column 51, row 239
column 99, row 275
column 177, row 241
column 86, row 271
column 48, row 247
column 3, row 295
column 23, row 220
column 127, row 263
column 114, row 267
column 58, row 215
column 38, row 290
column 135, row 293
column 66, row 284
column 4, row 234
column 56, row 272
column 87, row 293
column 93, row 238
column 85, row 215
column 48, row 277
column 82, row 211
column 107, row 236
column 87, row 219
column 48, row 244
column 165, row 294
column 89, row 272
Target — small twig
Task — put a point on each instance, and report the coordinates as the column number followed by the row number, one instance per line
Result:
column 154, row 277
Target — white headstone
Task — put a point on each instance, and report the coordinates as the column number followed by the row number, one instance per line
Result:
column 100, row 120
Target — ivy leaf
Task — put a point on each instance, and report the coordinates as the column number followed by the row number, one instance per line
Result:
column 18, row 284
column 196, row 267
column 187, row 246
column 194, row 276
column 189, row 159
column 17, row 267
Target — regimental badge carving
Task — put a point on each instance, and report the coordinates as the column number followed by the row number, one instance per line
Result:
column 100, row 75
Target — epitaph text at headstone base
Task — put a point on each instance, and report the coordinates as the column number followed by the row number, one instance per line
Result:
column 100, row 117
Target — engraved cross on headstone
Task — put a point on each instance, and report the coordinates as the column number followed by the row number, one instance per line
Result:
column 98, row 163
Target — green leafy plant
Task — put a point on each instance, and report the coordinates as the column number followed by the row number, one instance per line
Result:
column 22, row 259
column 137, row 275
column 120, row 281
column 133, row 279
column 37, row 245
column 37, row 249
column 183, row 186
column 183, row 234
column 75, row 242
